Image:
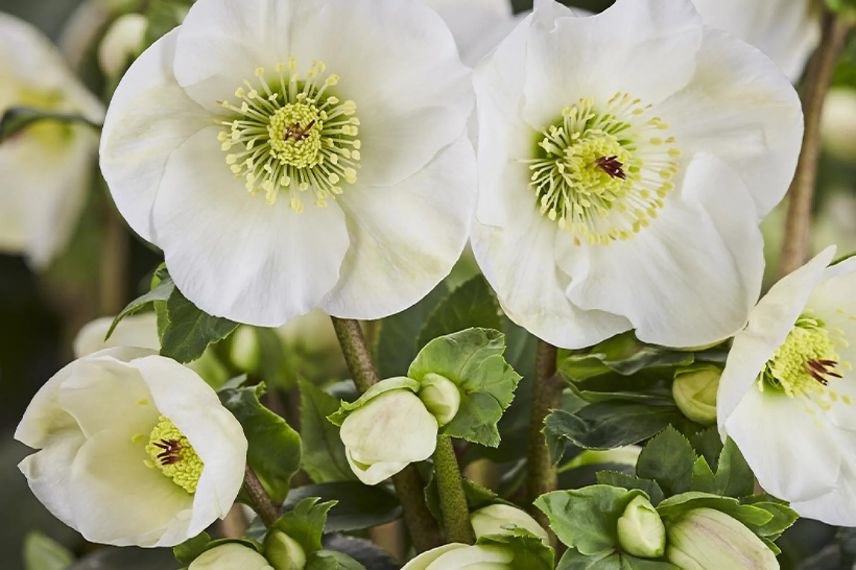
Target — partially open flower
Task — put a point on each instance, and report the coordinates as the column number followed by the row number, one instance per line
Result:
column 788, row 390
column 641, row 531
column 289, row 155
column 230, row 556
column 46, row 168
column 707, row 539
column 502, row 519
column 694, row 391
column 134, row 449
column 612, row 150
column 386, row 429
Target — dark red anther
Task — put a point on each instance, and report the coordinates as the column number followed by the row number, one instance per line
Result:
column 171, row 451
column 612, row 166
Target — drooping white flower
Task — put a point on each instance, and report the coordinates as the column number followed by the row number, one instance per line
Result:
column 46, row 168
column 289, row 155
column 478, row 25
column 786, row 30
column 625, row 160
column 788, row 391
column 133, row 449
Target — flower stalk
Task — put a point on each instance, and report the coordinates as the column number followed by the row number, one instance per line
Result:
column 450, row 487
column 408, row 484
column 816, row 84
column 260, row 501
column 542, row 476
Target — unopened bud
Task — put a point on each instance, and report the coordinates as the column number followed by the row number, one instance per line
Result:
column 641, row 531
column 283, row 552
column 707, row 538
column 122, row 43
column 230, row 555
column 245, row 352
column 694, row 391
column 500, row 519
column 441, row 396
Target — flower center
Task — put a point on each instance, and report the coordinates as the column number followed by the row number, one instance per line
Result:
column 806, row 362
column 172, row 454
column 290, row 134
column 49, row 133
column 603, row 173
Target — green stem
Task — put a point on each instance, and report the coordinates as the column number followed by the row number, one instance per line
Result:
column 450, row 487
column 797, row 245
column 259, row 499
column 408, row 484
column 542, row 476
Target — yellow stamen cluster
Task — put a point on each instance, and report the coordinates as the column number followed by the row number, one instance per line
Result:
column 603, row 172
column 172, row 454
column 289, row 133
column 806, row 363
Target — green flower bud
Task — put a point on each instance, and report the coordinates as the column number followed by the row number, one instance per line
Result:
column 499, row 519
column 245, row 352
column 441, row 396
column 695, row 390
column 230, row 555
column 641, row 531
column 707, row 539
column 284, row 552
column 122, row 43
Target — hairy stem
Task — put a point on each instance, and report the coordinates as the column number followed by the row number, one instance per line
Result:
column 818, row 79
column 546, row 395
column 450, row 487
column 113, row 276
column 259, row 499
column 408, row 484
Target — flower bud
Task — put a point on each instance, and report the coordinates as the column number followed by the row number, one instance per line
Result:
column 245, row 352
column 230, row 555
column 122, row 43
column 694, row 391
column 641, row 531
column 441, row 396
column 452, row 556
column 706, row 538
column 499, row 519
column 386, row 434
column 284, row 552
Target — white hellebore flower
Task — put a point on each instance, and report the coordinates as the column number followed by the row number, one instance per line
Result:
column 478, row 25
column 625, row 160
column 230, row 556
column 296, row 154
column 788, row 31
column 457, row 556
column 389, row 428
column 45, row 169
column 134, row 449
column 788, row 391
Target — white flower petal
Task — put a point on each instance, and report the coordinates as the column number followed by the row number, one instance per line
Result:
column 793, row 455
column 786, row 30
column 374, row 473
column 478, row 25
column 134, row 331
column 619, row 50
column 474, row 558
column 832, row 301
column 836, row 506
column 216, row 436
column 695, row 272
column 237, row 256
column 230, row 556
column 414, row 231
column 739, row 107
column 149, row 118
column 422, row 561
column 147, row 508
column 769, row 325
column 48, row 475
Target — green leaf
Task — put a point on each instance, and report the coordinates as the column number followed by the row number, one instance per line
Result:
column 357, row 506
column 396, row 346
column 473, row 360
column 668, row 459
column 619, row 479
column 708, row 444
column 324, row 457
column 274, row 448
column 190, row 549
column 43, row 553
column 388, row 385
column 17, row 119
column 162, row 288
column 332, row 560
column 703, row 478
column 608, row 424
column 586, row 519
column 164, row 15
column 305, row 523
column 623, row 354
column 734, row 477
column 783, row 516
column 189, row 330
column 527, row 549
column 574, row 560
column 470, row 305
column 752, row 516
